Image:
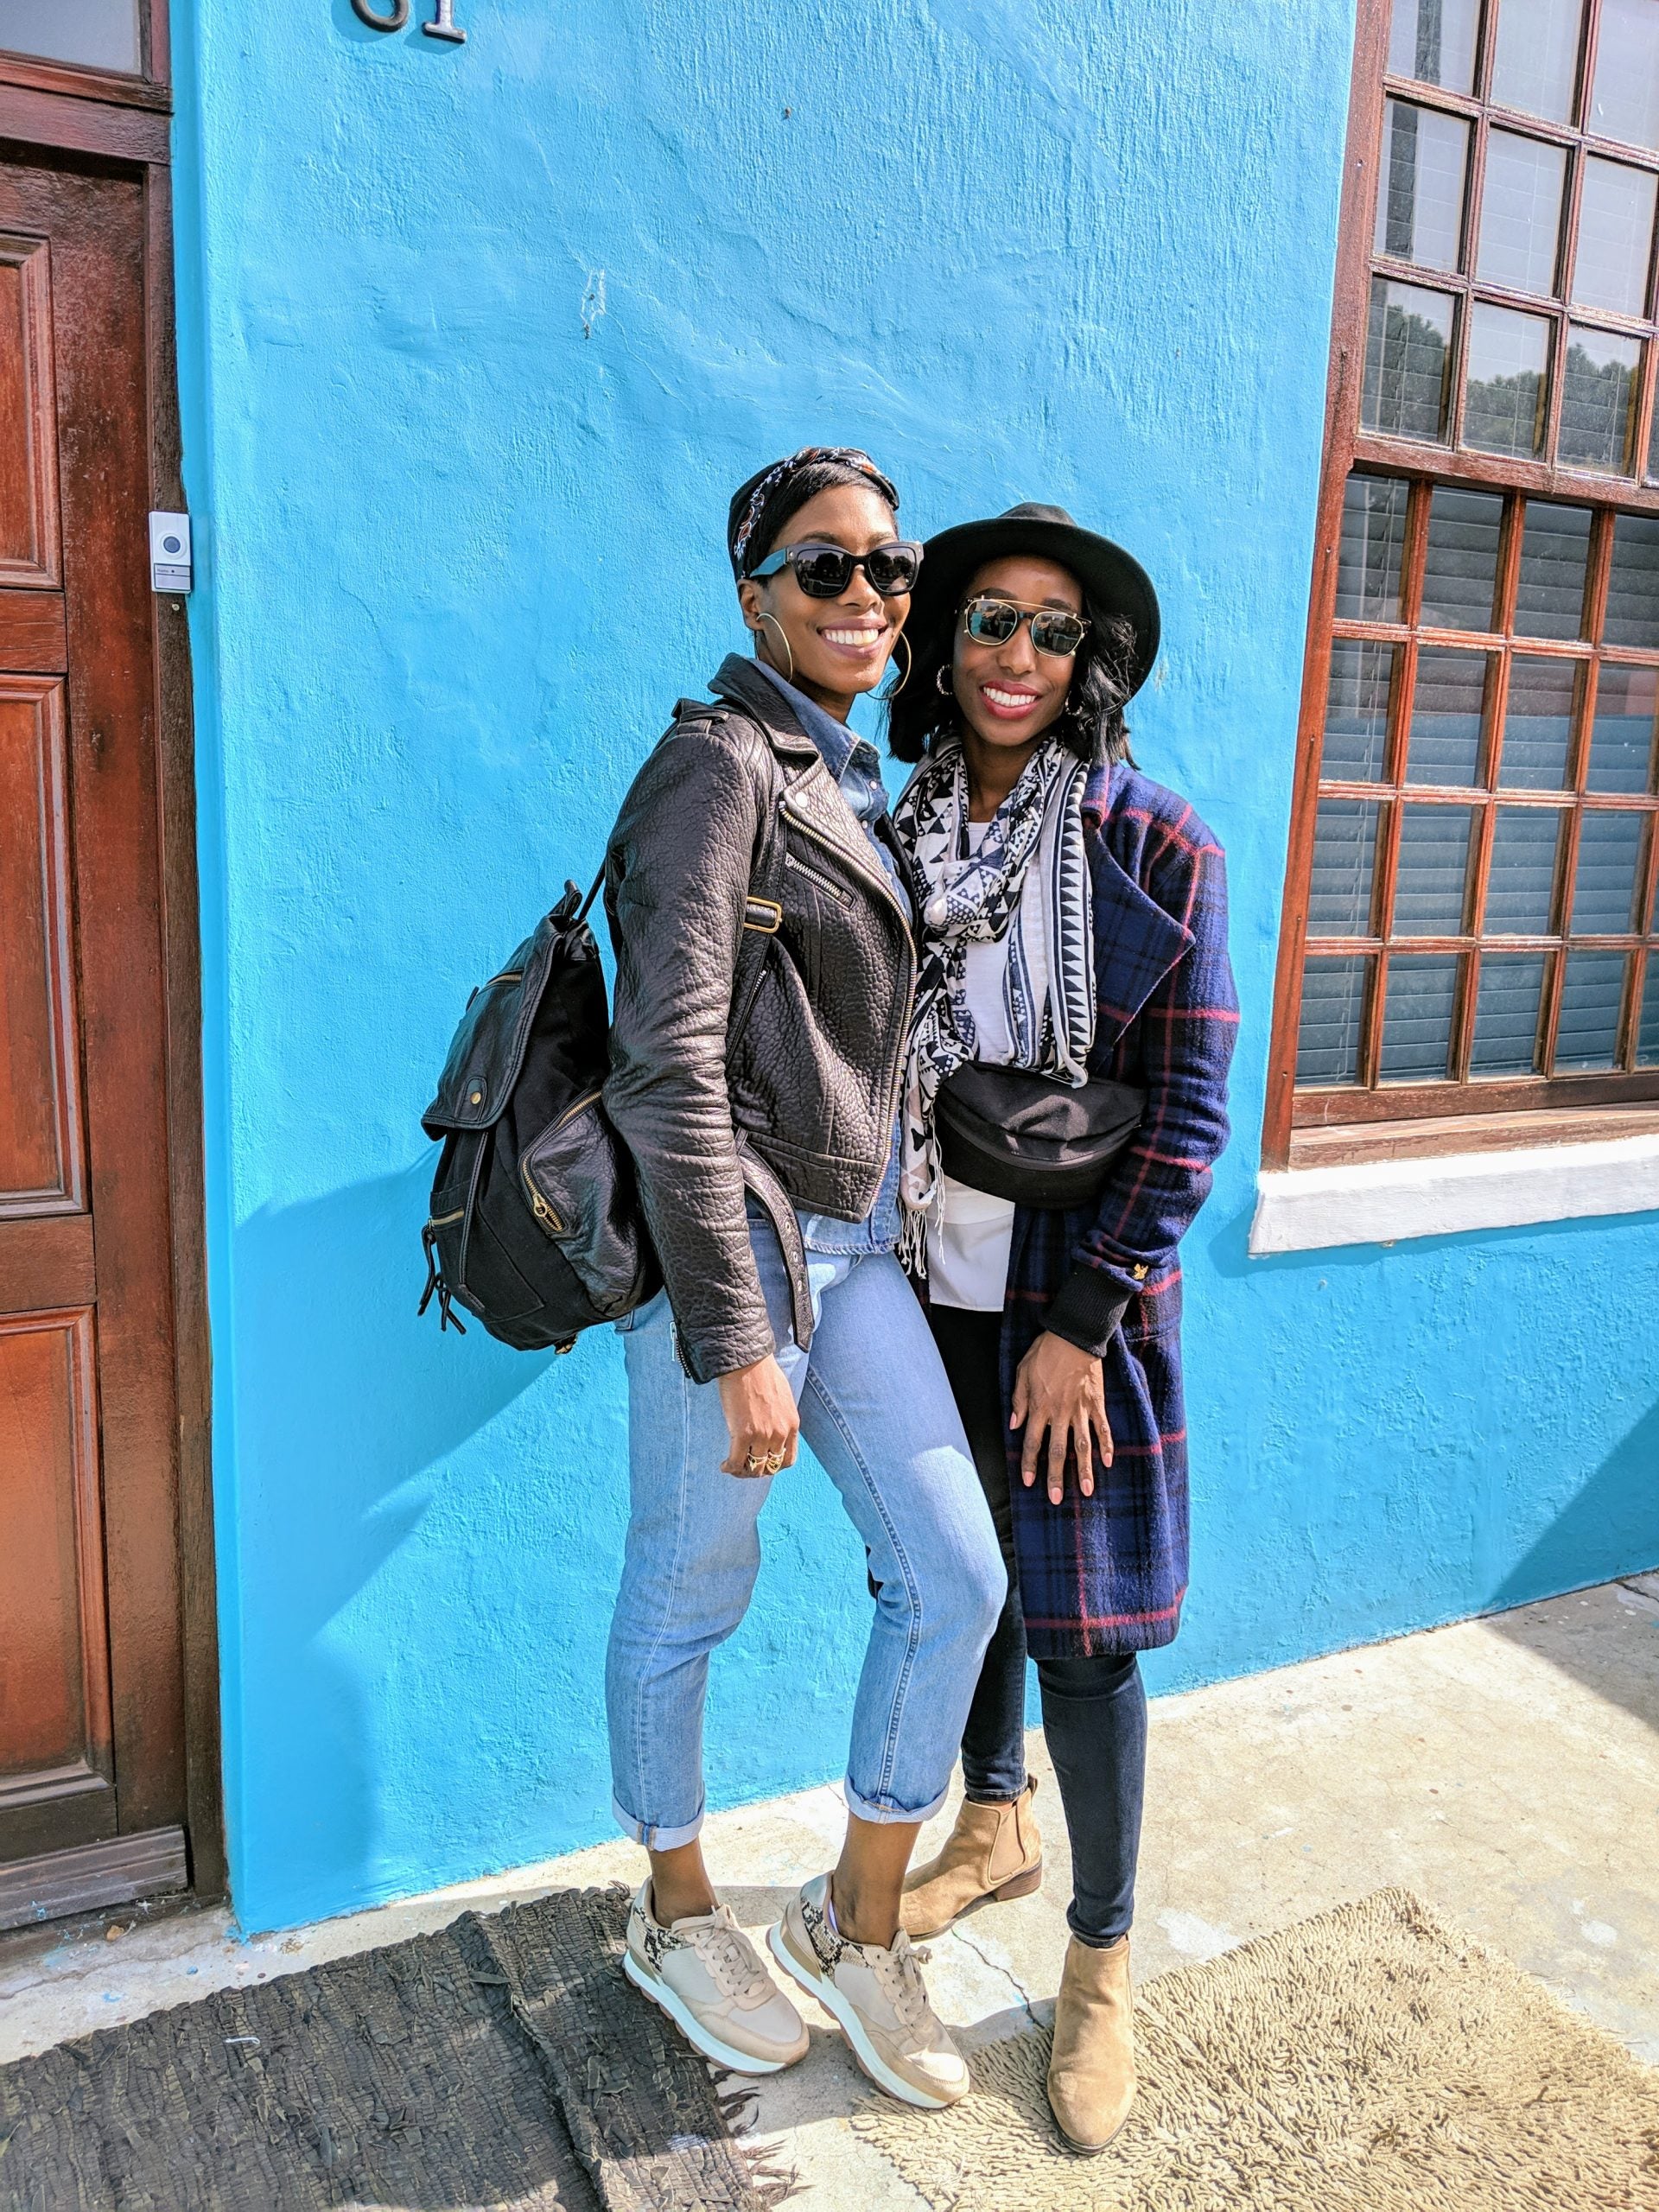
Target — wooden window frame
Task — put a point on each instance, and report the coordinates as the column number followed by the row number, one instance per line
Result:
column 151, row 89
column 1334, row 1125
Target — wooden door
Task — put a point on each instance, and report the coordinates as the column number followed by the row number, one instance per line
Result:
column 91, row 1734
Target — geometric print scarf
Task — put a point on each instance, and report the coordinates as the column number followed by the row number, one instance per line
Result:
column 1029, row 883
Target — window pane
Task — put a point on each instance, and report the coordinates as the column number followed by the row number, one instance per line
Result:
column 1407, row 345
column 1521, row 212
column 1599, row 401
column 1333, row 1009
column 1429, row 889
column 1508, row 360
column 1420, row 201
column 1460, row 570
column 1433, row 40
column 1625, row 105
column 1633, row 585
column 1344, row 860
column 1520, row 889
column 1506, row 1014
column 98, row 34
column 1417, row 1017
column 1610, row 265
column 1537, row 65
column 1647, row 1040
column 1550, row 602
column 1604, row 887
column 1621, row 737
column 1367, row 557
column 1538, row 727
column 1356, row 712
column 1446, row 714
column 1592, row 992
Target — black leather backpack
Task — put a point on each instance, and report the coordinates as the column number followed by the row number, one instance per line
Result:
column 535, row 1225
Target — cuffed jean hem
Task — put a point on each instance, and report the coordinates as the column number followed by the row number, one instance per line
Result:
column 867, row 1809
column 655, row 1839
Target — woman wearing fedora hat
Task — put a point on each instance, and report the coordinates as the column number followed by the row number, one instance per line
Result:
column 1065, row 1095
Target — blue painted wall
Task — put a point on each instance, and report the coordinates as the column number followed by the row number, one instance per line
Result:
column 475, row 343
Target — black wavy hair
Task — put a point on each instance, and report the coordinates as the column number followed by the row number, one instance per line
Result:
column 1090, row 724
column 790, row 494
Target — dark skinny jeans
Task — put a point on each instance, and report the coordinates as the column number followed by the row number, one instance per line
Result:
column 1094, row 1710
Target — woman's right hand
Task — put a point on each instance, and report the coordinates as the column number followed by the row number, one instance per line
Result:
column 760, row 1409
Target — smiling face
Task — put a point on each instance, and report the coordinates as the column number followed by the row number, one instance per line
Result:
column 835, row 648
column 1010, row 694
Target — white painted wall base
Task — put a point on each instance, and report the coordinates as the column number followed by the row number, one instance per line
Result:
column 1380, row 1201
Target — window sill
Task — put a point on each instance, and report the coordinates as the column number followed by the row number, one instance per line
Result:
column 1382, row 1201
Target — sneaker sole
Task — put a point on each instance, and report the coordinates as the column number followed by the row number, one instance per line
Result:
column 725, row 2054
column 845, row 2017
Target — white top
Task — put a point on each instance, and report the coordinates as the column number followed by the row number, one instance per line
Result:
column 968, row 1251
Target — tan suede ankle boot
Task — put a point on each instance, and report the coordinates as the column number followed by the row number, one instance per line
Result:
column 1091, row 2072
column 993, row 1851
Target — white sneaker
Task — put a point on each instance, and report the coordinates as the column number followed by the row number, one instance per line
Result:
column 878, row 1999
column 712, row 1984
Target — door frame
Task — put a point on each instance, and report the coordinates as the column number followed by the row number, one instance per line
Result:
column 95, row 120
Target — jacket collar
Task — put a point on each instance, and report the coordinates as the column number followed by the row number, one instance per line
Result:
column 741, row 682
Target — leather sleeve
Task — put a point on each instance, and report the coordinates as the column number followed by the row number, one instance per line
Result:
column 677, row 883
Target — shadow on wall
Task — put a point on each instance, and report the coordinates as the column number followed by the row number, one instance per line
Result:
column 1613, row 1524
column 344, row 1397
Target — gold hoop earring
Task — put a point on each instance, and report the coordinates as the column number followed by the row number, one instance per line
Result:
column 789, row 673
column 910, row 662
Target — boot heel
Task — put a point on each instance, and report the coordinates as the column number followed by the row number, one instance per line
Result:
column 1021, row 1885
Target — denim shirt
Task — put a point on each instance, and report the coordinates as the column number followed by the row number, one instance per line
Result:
column 856, row 767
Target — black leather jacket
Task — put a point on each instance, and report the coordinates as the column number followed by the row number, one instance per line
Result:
column 765, row 973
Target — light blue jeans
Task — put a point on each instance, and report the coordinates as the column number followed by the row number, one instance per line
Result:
column 879, row 1414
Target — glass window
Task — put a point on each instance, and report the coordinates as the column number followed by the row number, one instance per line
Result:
column 1599, row 401
column 1603, row 884
column 1368, row 559
column 1521, row 882
column 1621, row 736
column 1420, row 202
column 96, row 33
column 1508, row 370
column 1356, row 711
column 1633, row 584
column 1434, row 871
column 1538, row 726
column 1521, row 214
column 1647, row 1039
column 1407, row 347
column 1433, row 40
column 1554, row 552
column 1593, row 996
column 1625, row 103
column 1417, row 1017
column 1536, row 69
column 1460, row 567
column 1609, row 262
column 1447, row 712
column 1344, row 863
column 1333, row 1008
column 1506, row 1014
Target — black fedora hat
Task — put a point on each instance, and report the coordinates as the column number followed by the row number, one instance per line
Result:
column 1113, row 579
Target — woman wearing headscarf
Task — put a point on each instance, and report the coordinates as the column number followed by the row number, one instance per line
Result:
column 1073, row 927
column 760, row 916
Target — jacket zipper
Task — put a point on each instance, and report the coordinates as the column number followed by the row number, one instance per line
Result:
column 817, row 875
column 539, row 1205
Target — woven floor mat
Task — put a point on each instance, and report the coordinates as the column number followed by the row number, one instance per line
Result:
column 1367, row 2060
column 502, row 2063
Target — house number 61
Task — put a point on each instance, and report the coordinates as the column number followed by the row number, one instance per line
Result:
column 442, row 25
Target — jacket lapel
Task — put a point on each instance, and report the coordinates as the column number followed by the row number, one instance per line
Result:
column 1136, row 943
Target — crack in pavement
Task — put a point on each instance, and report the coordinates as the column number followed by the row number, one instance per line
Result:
column 996, row 1967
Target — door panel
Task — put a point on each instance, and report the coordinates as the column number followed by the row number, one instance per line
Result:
column 40, row 1075
column 92, row 1678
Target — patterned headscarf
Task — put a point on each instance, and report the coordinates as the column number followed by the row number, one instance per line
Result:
column 766, row 491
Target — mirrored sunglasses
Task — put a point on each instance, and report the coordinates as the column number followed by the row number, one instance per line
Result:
column 993, row 621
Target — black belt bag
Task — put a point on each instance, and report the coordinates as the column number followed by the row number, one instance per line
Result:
column 1027, row 1137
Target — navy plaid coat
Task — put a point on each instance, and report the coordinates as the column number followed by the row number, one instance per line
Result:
column 1109, row 1573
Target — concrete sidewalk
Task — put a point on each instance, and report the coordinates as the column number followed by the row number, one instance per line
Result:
column 1506, row 1769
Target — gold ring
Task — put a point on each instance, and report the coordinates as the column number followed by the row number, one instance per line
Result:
column 757, row 1465
column 774, row 1462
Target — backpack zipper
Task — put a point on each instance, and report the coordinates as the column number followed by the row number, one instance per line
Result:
column 539, row 1205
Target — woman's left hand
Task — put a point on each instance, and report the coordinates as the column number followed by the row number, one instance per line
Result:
column 1060, row 1392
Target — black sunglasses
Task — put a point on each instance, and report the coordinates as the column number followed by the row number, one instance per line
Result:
column 825, row 571
column 993, row 621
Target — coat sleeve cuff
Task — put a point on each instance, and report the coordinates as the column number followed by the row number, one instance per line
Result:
column 708, row 1356
column 1087, row 1310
